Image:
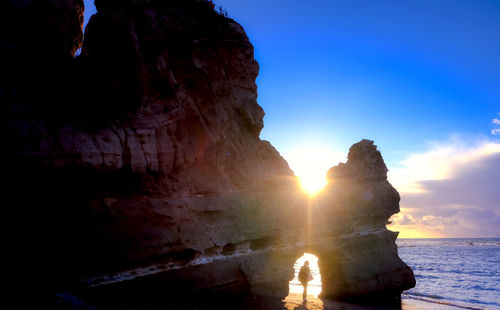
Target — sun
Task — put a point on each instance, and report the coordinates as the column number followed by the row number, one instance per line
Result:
column 313, row 182
column 310, row 164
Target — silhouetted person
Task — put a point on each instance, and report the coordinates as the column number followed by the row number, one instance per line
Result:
column 304, row 277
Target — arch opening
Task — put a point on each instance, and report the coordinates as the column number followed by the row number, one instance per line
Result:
column 314, row 286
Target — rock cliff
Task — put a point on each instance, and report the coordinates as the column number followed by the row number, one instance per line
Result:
column 349, row 218
column 139, row 162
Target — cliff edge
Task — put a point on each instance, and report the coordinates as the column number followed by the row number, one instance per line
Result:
column 138, row 163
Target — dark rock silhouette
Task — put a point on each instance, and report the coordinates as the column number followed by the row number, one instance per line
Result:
column 138, row 164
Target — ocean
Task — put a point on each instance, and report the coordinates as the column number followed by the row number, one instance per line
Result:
column 458, row 272
column 314, row 286
column 463, row 273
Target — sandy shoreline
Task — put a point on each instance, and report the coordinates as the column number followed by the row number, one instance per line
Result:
column 415, row 304
column 222, row 301
column 294, row 302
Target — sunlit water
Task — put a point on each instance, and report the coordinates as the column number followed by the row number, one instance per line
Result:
column 314, row 286
column 460, row 272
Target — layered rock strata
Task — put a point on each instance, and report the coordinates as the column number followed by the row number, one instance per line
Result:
column 140, row 161
column 357, row 254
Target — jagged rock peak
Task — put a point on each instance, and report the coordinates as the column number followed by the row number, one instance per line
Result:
column 107, row 4
column 364, row 161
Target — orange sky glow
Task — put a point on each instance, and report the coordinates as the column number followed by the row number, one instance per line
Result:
column 447, row 191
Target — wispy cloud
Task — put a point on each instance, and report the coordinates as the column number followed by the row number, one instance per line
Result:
column 450, row 190
column 496, row 131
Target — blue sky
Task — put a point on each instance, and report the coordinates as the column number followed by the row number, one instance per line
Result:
column 399, row 72
column 420, row 78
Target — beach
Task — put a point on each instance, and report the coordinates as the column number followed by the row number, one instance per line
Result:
column 294, row 302
column 459, row 272
column 450, row 273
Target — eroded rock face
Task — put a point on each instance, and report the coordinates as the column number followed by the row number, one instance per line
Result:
column 357, row 254
column 140, row 162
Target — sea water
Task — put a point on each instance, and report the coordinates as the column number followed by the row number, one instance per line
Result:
column 314, row 286
column 459, row 272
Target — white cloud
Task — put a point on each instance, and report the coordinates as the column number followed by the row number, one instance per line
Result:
column 496, row 131
column 404, row 219
column 461, row 224
column 451, row 190
column 439, row 163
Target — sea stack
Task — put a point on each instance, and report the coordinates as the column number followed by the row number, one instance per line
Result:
column 138, row 163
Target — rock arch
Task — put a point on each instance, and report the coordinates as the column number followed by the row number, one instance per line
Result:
column 295, row 285
column 345, row 227
column 150, row 169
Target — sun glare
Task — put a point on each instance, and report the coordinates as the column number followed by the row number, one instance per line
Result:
column 312, row 183
column 310, row 164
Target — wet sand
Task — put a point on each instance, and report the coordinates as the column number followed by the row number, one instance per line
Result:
column 414, row 304
column 223, row 301
column 144, row 297
column 294, row 302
